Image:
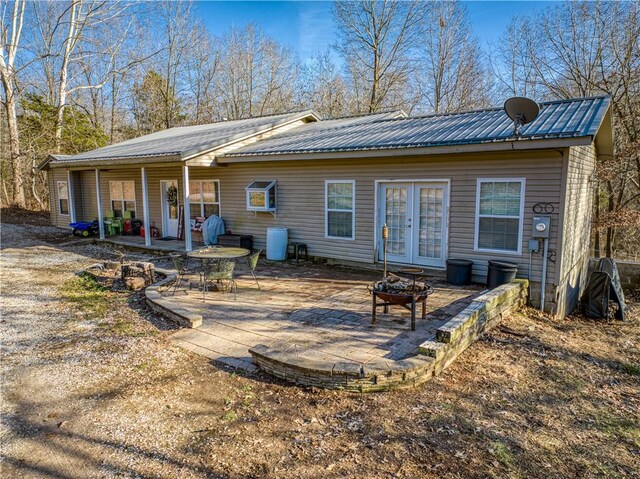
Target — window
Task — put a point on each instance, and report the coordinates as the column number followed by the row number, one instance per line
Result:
column 63, row 198
column 123, row 197
column 340, row 218
column 499, row 212
column 261, row 195
column 204, row 196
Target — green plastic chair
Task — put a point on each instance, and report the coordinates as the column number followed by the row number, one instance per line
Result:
column 113, row 225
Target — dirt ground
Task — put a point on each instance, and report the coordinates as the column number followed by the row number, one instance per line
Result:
column 91, row 387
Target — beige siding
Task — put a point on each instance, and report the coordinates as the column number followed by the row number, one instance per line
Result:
column 301, row 198
column 576, row 228
column 58, row 219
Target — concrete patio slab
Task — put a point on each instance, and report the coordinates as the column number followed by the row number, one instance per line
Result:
column 320, row 313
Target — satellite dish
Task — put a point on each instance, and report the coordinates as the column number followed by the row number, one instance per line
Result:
column 522, row 111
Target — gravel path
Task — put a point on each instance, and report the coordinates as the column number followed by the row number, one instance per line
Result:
column 64, row 410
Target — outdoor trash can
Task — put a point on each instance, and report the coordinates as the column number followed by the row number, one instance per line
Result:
column 459, row 271
column 500, row 272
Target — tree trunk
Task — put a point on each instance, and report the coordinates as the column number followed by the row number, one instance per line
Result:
column 596, row 236
column 18, row 197
column 62, row 88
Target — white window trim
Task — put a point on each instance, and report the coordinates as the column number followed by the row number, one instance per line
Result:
column 58, row 196
column 520, row 218
column 327, row 210
column 122, row 200
column 201, row 203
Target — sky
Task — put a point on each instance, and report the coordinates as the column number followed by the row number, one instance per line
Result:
column 307, row 26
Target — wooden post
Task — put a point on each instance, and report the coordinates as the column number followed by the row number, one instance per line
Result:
column 385, row 237
column 145, row 207
column 99, row 200
column 188, row 246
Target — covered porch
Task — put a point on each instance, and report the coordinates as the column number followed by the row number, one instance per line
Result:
column 159, row 198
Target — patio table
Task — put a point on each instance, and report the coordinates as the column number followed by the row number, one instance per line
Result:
column 218, row 252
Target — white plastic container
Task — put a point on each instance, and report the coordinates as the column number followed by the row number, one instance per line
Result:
column 277, row 241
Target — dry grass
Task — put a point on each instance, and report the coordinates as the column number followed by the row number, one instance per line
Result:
column 109, row 396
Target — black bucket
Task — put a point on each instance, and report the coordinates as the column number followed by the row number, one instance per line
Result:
column 459, row 271
column 500, row 272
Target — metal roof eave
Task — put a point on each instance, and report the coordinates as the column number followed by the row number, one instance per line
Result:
column 117, row 161
column 58, row 161
column 512, row 145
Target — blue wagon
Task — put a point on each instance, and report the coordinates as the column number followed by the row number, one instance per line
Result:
column 85, row 228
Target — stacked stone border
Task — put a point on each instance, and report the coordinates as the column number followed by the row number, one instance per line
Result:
column 456, row 335
column 167, row 308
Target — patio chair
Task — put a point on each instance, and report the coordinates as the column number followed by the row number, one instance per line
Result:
column 252, row 263
column 181, row 264
column 112, row 224
column 218, row 271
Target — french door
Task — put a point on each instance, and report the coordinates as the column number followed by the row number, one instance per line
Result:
column 416, row 215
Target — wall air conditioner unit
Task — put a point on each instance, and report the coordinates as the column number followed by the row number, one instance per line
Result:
column 261, row 196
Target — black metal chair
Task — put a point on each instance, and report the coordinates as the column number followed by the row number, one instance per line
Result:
column 218, row 271
column 181, row 264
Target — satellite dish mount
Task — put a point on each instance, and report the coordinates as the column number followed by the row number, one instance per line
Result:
column 522, row 111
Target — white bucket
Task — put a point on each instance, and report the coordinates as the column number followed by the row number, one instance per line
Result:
column 277, row 241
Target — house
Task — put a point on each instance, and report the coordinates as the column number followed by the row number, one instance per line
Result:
column 456, row 185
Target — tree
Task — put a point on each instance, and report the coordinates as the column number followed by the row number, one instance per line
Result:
column 9, row 42
column 257, row 76
column 453, row 77
column 324, row 89
column 377, row 40
column 579, row 49
column 155, row 106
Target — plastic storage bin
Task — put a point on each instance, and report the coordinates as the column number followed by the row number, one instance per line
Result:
column 277, row 241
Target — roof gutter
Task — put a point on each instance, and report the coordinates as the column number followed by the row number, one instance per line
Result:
column 542, row 144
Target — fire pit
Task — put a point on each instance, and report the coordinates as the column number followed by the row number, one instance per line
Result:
column 396, row 291
column 133, row 275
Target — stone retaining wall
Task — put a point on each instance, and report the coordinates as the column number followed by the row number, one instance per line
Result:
column 437, row 353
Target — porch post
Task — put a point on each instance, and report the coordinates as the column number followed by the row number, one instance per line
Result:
column 145, row 208
column 188, row 246
column 99, row 200
column 72, row 200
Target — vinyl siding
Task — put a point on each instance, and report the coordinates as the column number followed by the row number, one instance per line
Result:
column 576, row 229
column 301, row 198
column 57, row 219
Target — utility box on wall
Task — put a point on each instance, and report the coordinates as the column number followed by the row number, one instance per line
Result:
column 541, row 226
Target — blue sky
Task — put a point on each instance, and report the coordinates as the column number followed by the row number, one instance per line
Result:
column 307, row 26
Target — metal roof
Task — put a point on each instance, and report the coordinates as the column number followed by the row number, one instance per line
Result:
column 184, row 141
column 557, row 119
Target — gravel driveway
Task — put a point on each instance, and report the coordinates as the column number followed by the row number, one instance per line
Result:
column 65, row 377
column 102, row 392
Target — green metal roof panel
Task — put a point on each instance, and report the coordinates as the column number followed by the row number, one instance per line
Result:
column 557, row 119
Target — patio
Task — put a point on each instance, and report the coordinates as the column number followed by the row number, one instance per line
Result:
column 316, row 312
